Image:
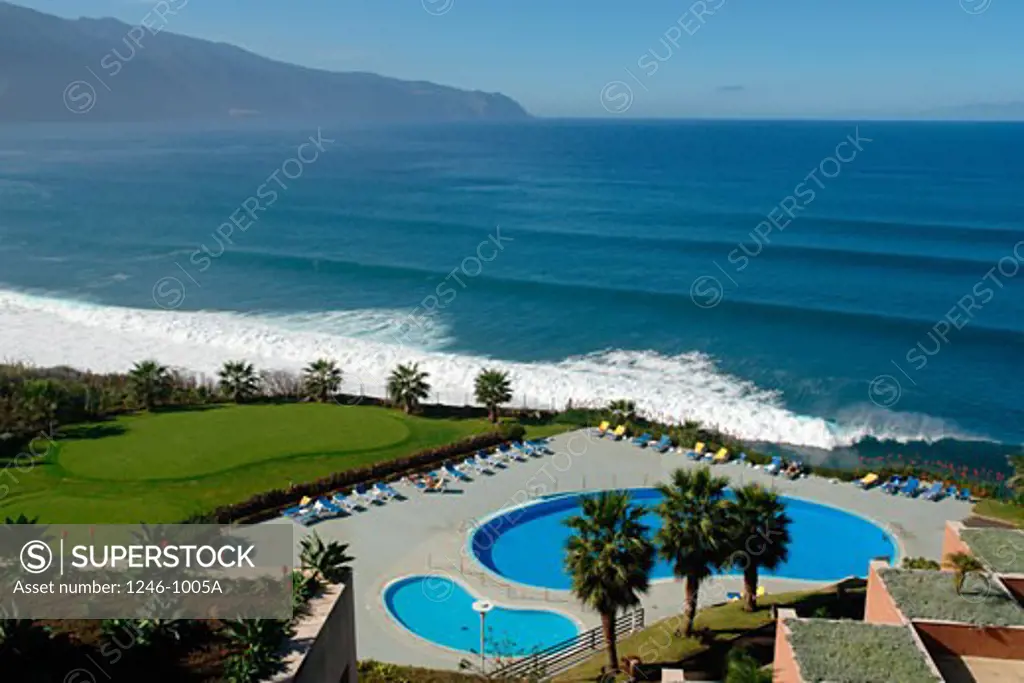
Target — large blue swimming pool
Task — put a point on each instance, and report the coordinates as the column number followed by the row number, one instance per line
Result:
column 440, row 610
column 527, row 544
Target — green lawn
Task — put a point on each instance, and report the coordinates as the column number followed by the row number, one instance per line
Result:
column 165, row 466
column 1005, row 512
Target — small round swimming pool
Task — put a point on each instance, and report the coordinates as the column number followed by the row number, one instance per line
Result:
column 527, row 544
column 440, row 610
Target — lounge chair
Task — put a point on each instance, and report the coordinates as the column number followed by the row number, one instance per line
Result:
column 868, row 480
column 893, row 485
column 540, row 445
column 794, row 469
column 603, row 427
column 306, row 516
column 910, row 487
column 384, row 492
column 952, row 492
column 934, row 492
column 619, row 432
column 760, row 591
column 642, row 440
column 664, row 444
column 345, row 502
column 775, row 466
column 742, row 460
column 721, row 456
column 697, row 452
column 732, row 596
column 440, row 485
column 473, row 463
column 455, row 474
column 365, row 495
column 325, row 508
column 965, row 494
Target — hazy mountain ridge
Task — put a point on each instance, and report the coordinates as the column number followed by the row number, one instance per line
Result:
column 54, row 69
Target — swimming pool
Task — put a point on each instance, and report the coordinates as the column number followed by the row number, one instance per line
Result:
column 526, row 544
column 438, row 609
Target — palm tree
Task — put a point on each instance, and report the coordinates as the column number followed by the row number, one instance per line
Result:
column 760, row 536
column 407, row 386
column 149, row 383
column 321, row 379
column 623, row 409
column 239, row 380
column 741, row 667
column 1016, row 481
column 609, row 558
column 492, row 389
column 694, row 532
column 324, row 561
column 963, row 564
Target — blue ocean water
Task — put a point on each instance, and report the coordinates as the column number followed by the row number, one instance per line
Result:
column 440, row 610
column 528, row 546
column 593, row 259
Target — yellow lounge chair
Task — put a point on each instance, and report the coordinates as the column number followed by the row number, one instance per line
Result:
column 619, row 432
column 760, row 591
column 721, row 456
column 868, row 480
column 603, row 427
column 698, row 447
column 306, row 500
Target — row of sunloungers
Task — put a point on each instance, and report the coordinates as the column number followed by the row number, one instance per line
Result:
column 912, row 487
column 362, row 497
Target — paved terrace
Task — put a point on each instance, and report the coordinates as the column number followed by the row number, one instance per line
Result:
column 427, row 534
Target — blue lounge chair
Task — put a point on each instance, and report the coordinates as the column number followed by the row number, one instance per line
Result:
column 742, row 460
column 541, row 446
column 642, row 440
column 455, row 474
column 893, row 485
column 291, row 512
column 664, row 444
column 952, row 492
column 934, row 491
column 732, row 597
column 965, row 494
column 384, row 492
column 366, row 496
column 776, row 465
column 325, row 508
column 910, row 487
column 346, row 503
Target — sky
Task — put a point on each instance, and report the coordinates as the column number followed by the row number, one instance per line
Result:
column 644, row 58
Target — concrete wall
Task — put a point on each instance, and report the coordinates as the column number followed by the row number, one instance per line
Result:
column 1015, row 585
column 784, row 668
column 880, row 607
column 952, row 543
column 324, row 645
column 970, row 641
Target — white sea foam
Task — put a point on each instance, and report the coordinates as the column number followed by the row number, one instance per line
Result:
column 48, row 331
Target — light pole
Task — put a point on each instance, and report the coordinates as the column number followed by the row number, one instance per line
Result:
column 482, row 607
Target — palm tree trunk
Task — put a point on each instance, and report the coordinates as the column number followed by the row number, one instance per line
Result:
column 750, row 588
column 608, row 625
column 492, row 414
column 690, row 603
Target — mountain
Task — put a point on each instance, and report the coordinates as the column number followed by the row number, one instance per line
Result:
column 54, row 69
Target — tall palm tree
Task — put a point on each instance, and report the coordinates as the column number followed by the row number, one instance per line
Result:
column 149, row 383
column 609, row 558
column 963, row 564
column 407, row 386
column 239, row 380
column 493, row 388
column 321, row 379
column 623, row 409
column 694, row 533
column 760, row 536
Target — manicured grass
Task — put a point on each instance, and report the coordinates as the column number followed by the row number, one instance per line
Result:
column 1006, row 512
column 165, row 466
column 659, row 643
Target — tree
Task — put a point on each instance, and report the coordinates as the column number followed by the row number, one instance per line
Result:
column 759, row 536
column 149, row 383
column 623, row 409
column 493, row 388
column 239, row 381
column 609, row 558
column 321, row 379
column 1016, row 481
column 963, row 564
column 407, row 386
column 741, row 667
column 920, row 563
column 257, row 652
column 694, row 533
column 324, row 561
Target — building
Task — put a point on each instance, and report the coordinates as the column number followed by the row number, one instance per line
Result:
column 917, row 627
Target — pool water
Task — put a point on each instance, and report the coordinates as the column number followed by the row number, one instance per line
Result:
column 527, row 544
column 440, row 610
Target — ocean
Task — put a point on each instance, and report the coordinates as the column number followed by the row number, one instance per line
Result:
column 838, row 287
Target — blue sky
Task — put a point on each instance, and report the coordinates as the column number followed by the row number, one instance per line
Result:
column 750, row 58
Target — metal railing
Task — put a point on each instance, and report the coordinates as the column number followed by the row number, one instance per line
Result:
column 549, row 662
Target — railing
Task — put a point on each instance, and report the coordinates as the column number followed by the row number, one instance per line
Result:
column 547, row 663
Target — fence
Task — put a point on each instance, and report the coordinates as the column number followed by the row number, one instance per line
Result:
column 557, row 658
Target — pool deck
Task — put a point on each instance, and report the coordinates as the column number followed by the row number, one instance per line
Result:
column 427, row 533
